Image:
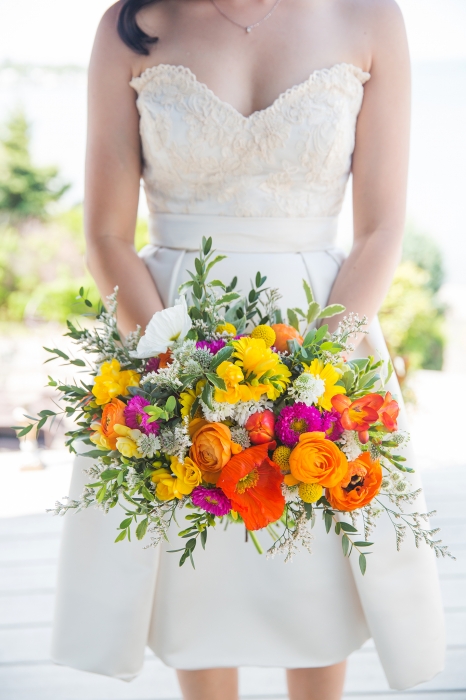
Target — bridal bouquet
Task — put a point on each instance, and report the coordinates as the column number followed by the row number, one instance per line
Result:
column 224, row 410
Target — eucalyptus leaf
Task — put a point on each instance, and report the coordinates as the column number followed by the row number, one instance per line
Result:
column 362, row 563
column 345, row 543
column 142, row 528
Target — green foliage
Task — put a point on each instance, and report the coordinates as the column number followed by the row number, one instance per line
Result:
column 26, row 191
column 424, row 252
column 412, row 320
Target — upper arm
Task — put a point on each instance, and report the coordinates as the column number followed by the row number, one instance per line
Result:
column 113, row 159
column 380, row 160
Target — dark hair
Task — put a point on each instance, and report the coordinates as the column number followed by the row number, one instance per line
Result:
column 129, row 30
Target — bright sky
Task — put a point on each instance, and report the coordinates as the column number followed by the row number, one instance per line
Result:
column 61, row 31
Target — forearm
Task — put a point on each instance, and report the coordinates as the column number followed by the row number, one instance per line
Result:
column 366, row 275
column 114, row 262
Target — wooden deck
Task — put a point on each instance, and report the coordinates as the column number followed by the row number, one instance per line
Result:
column 28, row 555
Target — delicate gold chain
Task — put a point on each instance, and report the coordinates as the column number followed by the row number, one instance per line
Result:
column 249, row 27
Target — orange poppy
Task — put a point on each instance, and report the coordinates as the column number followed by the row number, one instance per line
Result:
column 359, row 414
column 253, row 484
column 388, row 412
column 359, row 486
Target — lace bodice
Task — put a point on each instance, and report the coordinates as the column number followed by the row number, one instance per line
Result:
column 292, row 159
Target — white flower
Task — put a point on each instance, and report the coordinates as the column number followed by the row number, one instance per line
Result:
column 244, row 409
column 240, row 435
column 164, row 329
column 349, row 444
column 219, row 411
column 307, row 388
column 148, row 445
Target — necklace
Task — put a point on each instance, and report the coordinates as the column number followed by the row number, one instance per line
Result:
column 249, row 27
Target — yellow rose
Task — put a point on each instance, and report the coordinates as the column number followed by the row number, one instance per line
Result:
column 165, row 489
column 188, row 476
column 232, row 376
column 112, row 382
column 127, row 442
column 188, row 397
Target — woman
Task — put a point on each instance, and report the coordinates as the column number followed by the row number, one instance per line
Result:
column 265, row 176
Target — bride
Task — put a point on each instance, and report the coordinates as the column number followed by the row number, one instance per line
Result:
column 245, row 119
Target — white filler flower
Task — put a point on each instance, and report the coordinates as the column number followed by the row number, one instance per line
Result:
column 164, row 329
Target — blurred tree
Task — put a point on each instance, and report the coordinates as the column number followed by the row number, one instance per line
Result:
column 26, row 191
column 424, row 252
column 412, row 317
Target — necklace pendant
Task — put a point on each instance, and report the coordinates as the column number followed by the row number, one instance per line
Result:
column 248, row 30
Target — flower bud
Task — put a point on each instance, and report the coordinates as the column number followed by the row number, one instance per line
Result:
column 260, row 427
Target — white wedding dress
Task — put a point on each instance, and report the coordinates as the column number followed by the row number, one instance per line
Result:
column 268, row 188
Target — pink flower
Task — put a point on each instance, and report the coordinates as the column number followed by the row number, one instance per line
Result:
column 152, row 364
column 136, row 417
column 300, row 418
column 212, row 346
column 211, row 500
column 295, row 420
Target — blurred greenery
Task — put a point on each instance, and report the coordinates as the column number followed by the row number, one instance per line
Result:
column 25, row 190
column 42, row 261
column 412, row 317
column 41, row 253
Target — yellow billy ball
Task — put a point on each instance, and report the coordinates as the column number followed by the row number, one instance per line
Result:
column 226, row 328
column 266, row 333
column 281, row 456
column 310, row 493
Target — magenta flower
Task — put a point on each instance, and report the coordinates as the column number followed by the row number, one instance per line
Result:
column 211, row 500
column 295, row 420
column 212, row 346
column 152, row 364
column 136, row 417
column 331, row 425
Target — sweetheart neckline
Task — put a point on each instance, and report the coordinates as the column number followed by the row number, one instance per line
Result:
column 147, row 75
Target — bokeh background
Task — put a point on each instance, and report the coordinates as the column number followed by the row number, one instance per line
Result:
column 44, row 50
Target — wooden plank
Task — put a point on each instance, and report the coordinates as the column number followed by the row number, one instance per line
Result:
column 29, row 550
column 365, row 674
column 51, row 682
column 26, row 578
column 25, row 525
column 20, row 609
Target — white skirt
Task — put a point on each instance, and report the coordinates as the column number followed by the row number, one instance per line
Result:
column 238, row 608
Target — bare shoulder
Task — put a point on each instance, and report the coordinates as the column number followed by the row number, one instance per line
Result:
column 109, row 51
column 386, row 26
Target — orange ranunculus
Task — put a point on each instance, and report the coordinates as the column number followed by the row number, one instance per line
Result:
column 283, row 334
column 316, row 460
column 359, row 414
column 112, row 414
column 253, row 484
column 359, row 486
column 388, row 412
column 212, row 447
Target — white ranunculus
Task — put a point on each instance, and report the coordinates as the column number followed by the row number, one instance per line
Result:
column 164, row 329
